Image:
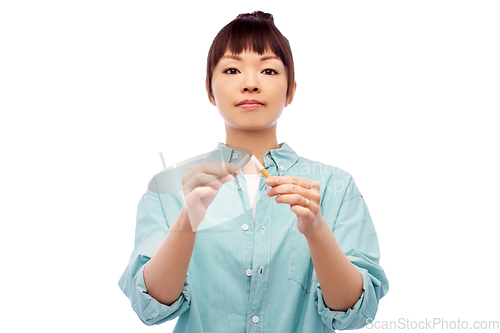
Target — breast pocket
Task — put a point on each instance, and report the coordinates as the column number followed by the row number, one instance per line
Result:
column 300, row 267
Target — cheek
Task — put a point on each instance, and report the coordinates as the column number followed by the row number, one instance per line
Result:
column 280, row 85
column 218, row 94
column 280, row 90
column 221, row 89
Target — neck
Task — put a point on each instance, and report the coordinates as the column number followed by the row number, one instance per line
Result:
column 258, row 142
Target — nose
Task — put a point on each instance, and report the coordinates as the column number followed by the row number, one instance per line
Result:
column 250, row 84
column 250, row 89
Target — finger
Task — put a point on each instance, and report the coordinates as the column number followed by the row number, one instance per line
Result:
column 301, row 211
column 311, row 194
column 202, row 179
column 191, row 198
column 203, row 191
column 198, row 179
column 297, row 200
column 228, row 177
column 217, row 169
column 302, row 182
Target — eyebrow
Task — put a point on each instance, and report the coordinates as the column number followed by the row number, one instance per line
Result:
column 236, row 57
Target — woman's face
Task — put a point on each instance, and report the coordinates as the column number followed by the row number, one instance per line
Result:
column 250, row 89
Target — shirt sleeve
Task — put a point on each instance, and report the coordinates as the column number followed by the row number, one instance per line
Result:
column 355, row 233
column 151, row 230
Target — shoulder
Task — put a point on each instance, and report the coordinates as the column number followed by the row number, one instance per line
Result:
column 315, row 169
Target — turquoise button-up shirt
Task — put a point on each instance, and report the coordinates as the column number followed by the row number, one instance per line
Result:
column 246, row 278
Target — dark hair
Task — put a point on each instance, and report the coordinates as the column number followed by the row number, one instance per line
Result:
column 251, row 32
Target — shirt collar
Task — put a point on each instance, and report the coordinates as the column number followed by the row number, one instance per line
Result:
column 284, row 157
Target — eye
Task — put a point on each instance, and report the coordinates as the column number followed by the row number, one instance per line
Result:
column 231, row 71
column 269, row 71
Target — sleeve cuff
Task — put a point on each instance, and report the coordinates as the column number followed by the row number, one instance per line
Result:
column 354, row 318
column 152, row 312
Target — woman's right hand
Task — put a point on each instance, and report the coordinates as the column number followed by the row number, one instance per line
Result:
column 200, row 185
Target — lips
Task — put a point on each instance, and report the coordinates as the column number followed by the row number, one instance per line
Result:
column 250, row 104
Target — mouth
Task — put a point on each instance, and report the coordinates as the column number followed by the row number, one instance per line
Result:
column 250, row 104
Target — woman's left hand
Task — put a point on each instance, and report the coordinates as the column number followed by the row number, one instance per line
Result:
column 304, row 199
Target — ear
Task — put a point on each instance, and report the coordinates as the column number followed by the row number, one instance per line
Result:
column 290, row 99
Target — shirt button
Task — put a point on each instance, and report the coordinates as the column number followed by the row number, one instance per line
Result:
column 282, row 168
column 263, row 229
column 249, row 272
column 255, row 319
column 244, row 227
column 235, row 156
column 238, row 186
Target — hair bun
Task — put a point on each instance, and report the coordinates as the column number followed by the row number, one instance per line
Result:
column 259, row 15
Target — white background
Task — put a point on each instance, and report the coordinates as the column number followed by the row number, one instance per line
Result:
column 404, row 95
